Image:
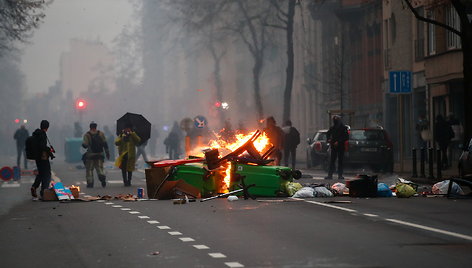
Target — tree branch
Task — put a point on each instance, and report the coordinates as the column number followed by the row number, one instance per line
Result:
column 434, row 22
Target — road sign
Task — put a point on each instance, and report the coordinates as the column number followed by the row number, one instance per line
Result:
column 200, row 121
column 400, row 82
column 6, row 173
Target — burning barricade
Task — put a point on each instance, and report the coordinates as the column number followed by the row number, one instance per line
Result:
column 242, row 167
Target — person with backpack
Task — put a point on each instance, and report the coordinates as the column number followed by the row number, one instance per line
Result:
column 95, row 143
column 291, row 141
column 20, row 136
column 37, row 148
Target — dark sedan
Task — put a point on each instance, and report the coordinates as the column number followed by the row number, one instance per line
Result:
column 371, row 147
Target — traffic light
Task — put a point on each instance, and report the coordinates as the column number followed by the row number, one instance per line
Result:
column 80, row 104
column 217, row 104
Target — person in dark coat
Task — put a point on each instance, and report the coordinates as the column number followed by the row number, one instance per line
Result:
column 20, row 136
column 42, row 162
column 291, row 141
column 172, row 142
column 443, row 134
column 337, row 136
column 275, row 135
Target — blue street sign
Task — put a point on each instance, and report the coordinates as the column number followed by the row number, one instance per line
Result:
column 200, row 121
column 400, row 82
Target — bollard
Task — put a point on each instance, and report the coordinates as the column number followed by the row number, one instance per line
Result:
column 415, row 172
column 438, row 164
column 422, row 160
column 431, row 163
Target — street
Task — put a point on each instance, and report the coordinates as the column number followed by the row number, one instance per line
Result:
column 266, row 232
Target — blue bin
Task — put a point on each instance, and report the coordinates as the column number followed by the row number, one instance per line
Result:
column 72, row 150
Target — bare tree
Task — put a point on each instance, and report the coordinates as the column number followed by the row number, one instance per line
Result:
column 284, row 20
column 463, row 8
column 18, row 19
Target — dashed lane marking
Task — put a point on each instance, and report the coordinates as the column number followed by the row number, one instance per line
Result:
column 217, row 255
column 100, row 201
column 109, row 203
column 413, row 225
column 117, row 206
column 163, row 227
column 153, row 222
column 186, row 239
column 234, row 264
column 175, row 233
column 143, row 217
column 125, row 209
column 200, row 247
column 134, row 212
column 10, row 185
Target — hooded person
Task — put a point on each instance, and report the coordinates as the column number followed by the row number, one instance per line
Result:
column 337, row 136
column 43, row 178
column 126, row 160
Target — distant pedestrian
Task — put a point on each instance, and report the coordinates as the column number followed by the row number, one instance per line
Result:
column 126, row 161
column 110, row 142
column 291, row 141
column 96, row 144
column 20, row 136
column 275, row 135
column 443, row 134
column 153, row 140
column 141, row 150
column 337, row 136
column 45, row 152
column 422, row 130
column 456, row 142
column 172, row 142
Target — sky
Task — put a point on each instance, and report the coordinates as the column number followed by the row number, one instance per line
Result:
column 65, row 20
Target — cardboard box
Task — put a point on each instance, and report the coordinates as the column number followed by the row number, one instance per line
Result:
column 154, row 177
column 49, row 195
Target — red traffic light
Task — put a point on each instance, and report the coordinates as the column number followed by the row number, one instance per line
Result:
column 80, row 104
column 17, row 120
column 217, row 104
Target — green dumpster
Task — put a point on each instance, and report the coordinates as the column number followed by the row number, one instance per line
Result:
column 72, row 150
column 196, row 175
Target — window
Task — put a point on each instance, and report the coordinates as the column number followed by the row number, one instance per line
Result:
column 431, row 34
column 452, row 19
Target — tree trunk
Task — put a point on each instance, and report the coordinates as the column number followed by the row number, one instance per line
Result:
column 256, row 72
column 218, row 83
column 290, row 62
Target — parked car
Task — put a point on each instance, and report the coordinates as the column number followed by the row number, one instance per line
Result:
column 371, row 147
column 465, row 162
column 316, row 151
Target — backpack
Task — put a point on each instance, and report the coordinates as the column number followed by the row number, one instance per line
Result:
column 32, row 148
column 96, row 142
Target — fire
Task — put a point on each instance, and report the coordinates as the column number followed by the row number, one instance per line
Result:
column 224, row 147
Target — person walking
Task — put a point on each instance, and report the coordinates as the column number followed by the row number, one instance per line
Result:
column 337, row 136
column 275, row 135
column 20, row 136
column 172, row 142
column 126, row 161
column 141, row 150
column 291, row 141
column 96, row 144
column 110, row 142
column 43, row 178
column 443, row 134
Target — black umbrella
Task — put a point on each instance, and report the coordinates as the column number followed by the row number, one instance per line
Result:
column 139, row 124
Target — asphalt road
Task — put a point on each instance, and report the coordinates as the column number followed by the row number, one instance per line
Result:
column 267, row 232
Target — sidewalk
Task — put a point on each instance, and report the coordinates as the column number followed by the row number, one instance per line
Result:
column 407, row 172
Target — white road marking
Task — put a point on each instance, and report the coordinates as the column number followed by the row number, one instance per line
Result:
column 331, row 206
column 10, row 185
column 114, row 181
column 153, row 222
column 117, row 206
column 414, row 225
column 125, row 209
column 163, row 227
column 134, row 212
column 217, row 255
column 109, row 203
column 175, row 233
column 100, row 201
column 186, row 239
column 234, row 264
column 200, row 247
column 143, row 217
column 431, row 229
